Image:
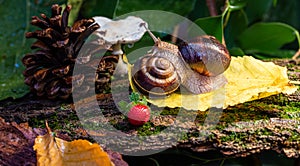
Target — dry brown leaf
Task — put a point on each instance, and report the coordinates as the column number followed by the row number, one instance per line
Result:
column 16, row 142
column 52, row 151
column 248, row 79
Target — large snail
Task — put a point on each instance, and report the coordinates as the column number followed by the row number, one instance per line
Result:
column 197, row 65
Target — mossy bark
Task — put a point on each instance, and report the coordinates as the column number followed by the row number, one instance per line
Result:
column 248, row 128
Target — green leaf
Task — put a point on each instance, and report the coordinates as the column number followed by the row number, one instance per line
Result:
column 76, row 4
column 105, row 8
column 211, row 26
column 273, row 54
column 236, row 25
column 134, row 97
column 285, row 11
column 12, row 86
column 140, row 48
column 237, row 4
column 266, row 36
column 15, row 21
column 182, row 7
column 256, row 9
column 12, row 29
column 200, row 10
column 235, row 51
column 123, row 105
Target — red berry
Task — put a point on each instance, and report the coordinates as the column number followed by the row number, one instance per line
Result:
column 139, row 115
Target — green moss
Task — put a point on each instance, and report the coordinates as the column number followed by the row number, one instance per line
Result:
column 149, row 129
column 294, row 136
column 237, row 137
column 170, row 111
column 264, row 109
column 289, row 111
column 277, row 106
column 185, row 137
column 246, row 112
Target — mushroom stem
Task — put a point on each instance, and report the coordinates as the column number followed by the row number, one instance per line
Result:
column 117, row 50
column 121, row 69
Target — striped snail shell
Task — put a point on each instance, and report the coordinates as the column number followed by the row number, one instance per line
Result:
column 155, row 76
column 206, row 55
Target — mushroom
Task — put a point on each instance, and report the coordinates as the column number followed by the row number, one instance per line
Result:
column 115, row 33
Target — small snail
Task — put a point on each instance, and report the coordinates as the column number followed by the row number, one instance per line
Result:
column 196, row 65
column 206, row 55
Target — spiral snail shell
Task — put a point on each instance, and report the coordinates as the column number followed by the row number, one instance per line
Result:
column 206, row 55
column 155, row 76
column 196, row 65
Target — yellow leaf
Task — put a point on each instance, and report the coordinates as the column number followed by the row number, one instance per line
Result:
column 52, row 151
column 248, row 79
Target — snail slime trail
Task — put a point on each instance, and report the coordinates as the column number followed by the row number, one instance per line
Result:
column 197, row 65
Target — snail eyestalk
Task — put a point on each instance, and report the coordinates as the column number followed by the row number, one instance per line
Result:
column 155, row 39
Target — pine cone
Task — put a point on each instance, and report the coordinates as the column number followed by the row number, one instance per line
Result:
column 104, row 73
column 49, row 70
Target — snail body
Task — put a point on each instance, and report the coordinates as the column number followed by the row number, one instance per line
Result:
column 196, row 66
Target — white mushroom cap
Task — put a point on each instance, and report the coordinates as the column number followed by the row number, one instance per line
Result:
column 128, row 30
column 101, row 20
